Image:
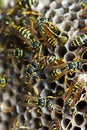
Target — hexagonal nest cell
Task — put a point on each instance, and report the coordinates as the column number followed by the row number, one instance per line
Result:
column 43, row 65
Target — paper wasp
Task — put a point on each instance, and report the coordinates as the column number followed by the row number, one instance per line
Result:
column 26, row 36
column 53, row 28
column 79, row 41
column 50, row 40
column 31, row 72
column 37, row 65
column 73, row 94
column 17, row 53
column 54, row 72
column 29, row 75
column 83, row 4
column 31, row 101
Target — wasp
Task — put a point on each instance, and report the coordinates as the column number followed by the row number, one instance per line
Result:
column 83, row 4
column 74, row 93
column 54, row 72
column 54, row 125
column 4, row 80
column 79, row 41
column 26, row 36
column 50, row 40
column 31, row 101
column 26, row 4
column 29, row 74
column 43, row 61
column 54, row 29
column 32, row 72
column 17, row 53
column 36, row 65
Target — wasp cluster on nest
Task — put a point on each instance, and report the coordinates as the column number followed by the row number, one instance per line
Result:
column 43, row 65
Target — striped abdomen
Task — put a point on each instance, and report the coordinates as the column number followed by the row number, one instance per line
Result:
column 80, row 40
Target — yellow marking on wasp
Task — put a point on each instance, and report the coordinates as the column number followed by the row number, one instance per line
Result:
column 26, row 6
column 24, row 31
column 20, row 29
column 74, row 43
column 77, row 42
column 81, row 40
column 85, row 35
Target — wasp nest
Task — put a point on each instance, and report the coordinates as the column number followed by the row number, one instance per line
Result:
column 43, row 65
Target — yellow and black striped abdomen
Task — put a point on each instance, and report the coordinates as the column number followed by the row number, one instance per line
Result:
column 49, row 39
column 20, row 31
column 26, row 35
column 73, row 93
column 80, row 40
column 54, row 127
column 26, row 4
column 53, row 60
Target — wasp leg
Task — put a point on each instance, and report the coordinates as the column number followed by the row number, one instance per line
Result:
column 32, row 13
column 13, row 63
